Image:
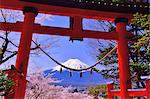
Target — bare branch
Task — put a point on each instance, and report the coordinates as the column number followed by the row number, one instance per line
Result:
column 6, row 59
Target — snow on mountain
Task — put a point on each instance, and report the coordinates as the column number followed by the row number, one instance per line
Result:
column 72, row 63
column 75, row 80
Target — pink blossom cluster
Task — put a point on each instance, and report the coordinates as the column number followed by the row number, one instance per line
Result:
column 40, row 87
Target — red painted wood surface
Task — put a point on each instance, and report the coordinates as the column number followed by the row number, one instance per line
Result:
column 137, row 92
column 38, row 29
column 17, row 27
column 148, row 89
column 123, row 57
column 131, row 92
column 109, row 88
column 66, row 11
column 76, row 26
column 23, row 54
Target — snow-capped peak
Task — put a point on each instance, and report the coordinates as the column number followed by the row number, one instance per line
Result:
column 72, row 63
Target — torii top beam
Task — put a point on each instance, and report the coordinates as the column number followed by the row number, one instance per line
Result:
column 94, row 9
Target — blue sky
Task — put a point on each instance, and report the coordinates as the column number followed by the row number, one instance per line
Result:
column 65, row 49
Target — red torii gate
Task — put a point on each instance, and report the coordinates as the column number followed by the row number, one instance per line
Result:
column 77, row 10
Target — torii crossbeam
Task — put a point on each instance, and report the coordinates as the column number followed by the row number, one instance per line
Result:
column 76, row 10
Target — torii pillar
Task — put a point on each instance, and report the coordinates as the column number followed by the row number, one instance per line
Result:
column 123, row 57
column 24, row 51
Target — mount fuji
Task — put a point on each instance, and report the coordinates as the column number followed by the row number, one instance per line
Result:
column 75, row 80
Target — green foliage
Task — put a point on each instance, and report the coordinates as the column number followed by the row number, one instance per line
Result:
column 141, row 21
column 139, row 51
column 95, row 91
column 5, row 83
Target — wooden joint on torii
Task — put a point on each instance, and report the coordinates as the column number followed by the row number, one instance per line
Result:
column 76, row 26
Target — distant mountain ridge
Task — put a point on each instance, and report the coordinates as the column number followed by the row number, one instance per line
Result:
column 76, row 81
column 72, row 63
